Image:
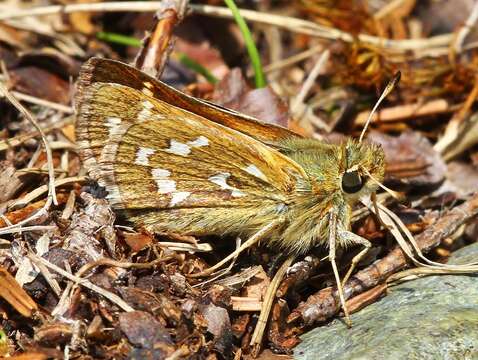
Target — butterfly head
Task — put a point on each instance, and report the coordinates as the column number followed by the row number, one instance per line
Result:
column 363, row 166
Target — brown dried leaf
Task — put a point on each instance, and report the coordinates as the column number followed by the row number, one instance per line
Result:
column 280, row 331
column 151, row 302
column 10, row 182
column 257, row 286
column 232, row 92
column 137, row 241
column 462, row 177
column 54, row 334
column 219, row 325
column 41, row 84
column 144, row 331
column 411, row 160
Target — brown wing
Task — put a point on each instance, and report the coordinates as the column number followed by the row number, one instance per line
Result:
column 174, row 170
column 110, row 71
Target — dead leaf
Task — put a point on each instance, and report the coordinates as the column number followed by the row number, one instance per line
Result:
column 146, row 333
column 233, row 93
column 411, row 160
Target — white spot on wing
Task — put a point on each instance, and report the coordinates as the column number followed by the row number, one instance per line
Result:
column 178, row 148
column 200, row 141
column 220, row 179
column 182, row 149
column 147, row 92
column 142, row 156
column 160, row 173
column 145, row 113
column 112, row 123
column 237, row 193
column 178, row 197
column 254, row 171
column 165, row 186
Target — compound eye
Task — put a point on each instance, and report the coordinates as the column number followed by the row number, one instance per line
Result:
column 352, row 182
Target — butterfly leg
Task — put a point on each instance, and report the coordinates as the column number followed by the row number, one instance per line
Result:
column 332, row 247
column 350, row 237
column 259, row 235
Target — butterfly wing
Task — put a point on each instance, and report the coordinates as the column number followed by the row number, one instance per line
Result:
column 172, row 170
column 110, row 71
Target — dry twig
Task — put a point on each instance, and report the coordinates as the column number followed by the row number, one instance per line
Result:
column 115, row 299
column 286, row 22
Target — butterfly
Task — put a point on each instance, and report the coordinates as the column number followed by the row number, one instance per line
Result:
column 171, row 163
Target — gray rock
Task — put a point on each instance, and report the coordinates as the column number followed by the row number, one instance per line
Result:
column 434, row 317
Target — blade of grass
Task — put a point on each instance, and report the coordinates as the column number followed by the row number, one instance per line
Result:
column 251, row 47
column 118, row 39
column 197, row 67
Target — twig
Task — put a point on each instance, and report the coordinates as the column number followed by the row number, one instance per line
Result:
column 278, row 65
column 69, row 207
column 240, row 278
column 83, row 282
column 269, row 297
column 297, row 274
column 47, row 276
column 41, row 102
column 156, row 46
column 124, row 265
column 13, row 293
column 286, row 22
column 20, row 229
column 42, row 189
column 37, row 171
column 314, row 29
column 298, row 101
column 178, row 246
column 366, row 298
column 64, row 301
column 408, row 112
column 20, row 139
column 41, row 212
column 452, row 141
column 389, row 8
column 29, row 117
column 241, row 303
column 219, row 274
column 470, row 23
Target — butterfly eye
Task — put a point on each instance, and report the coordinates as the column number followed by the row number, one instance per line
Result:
column 352, row 182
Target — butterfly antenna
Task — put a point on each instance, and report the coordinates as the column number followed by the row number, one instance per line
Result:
column 390, row 86
column 392, row 193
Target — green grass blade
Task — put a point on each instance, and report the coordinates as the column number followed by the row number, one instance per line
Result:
column 251, row 47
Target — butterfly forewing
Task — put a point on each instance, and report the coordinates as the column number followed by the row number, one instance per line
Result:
column 152, row 156
column 110, row 71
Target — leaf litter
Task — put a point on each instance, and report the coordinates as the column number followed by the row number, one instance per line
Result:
column 95, row 288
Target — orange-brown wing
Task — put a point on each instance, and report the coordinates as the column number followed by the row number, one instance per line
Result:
column 174, row 170
column 110, row 71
